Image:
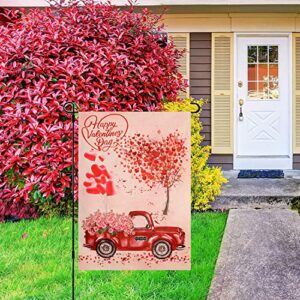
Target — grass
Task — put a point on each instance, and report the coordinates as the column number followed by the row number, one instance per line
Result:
column 39, row 265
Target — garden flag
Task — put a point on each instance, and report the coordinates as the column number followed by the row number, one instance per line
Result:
column 134, row 191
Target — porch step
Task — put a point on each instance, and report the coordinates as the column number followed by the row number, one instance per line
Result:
column 258, row 193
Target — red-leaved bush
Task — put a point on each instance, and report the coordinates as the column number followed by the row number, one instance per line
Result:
column 13, row 211
column 101, row 57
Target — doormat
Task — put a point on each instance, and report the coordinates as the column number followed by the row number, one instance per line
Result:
column 261, row 174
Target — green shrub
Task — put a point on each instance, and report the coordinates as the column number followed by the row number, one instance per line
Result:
column 206, row 181
column 45, row 206
column 49, row 208
column 296, row 204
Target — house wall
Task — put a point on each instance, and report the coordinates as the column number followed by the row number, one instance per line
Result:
column 296, row 161
column 233, row 22
column 200, row 87
column 200, row 77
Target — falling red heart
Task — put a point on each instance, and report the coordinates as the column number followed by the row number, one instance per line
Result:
column 90, row 156
column 101, row 189
column 95, row 190
column 96, row 170
column 109, row 188
column 104, row 171
column 87, row 183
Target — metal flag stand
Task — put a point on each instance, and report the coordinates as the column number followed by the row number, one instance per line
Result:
column 72, row 108
column 198, row 108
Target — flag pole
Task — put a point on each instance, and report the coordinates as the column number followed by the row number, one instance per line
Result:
column 71, row 108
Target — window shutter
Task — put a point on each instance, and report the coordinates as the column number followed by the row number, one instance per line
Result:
column 182, row 41
column 222, row 93
column 296, row 92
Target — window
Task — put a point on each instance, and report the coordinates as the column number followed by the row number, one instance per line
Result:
column 140, row 222
column 263, row 73
column 182, row 42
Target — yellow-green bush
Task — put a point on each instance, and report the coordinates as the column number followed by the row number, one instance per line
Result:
column 206, row 181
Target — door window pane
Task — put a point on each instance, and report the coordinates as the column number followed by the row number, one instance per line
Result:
column 252, row 90
column 263, row 81
column 263, row 72
column 273, row 71
column 252, row 72
column 273, row 54
column 252, row 54
column 273, row 91
column 262, row 90
column 262, row 54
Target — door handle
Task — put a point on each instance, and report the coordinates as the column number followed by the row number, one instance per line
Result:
column 241, row 115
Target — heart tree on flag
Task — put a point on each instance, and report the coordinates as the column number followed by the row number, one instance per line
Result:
column 154, row 162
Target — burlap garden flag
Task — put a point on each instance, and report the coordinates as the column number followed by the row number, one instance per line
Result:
column 134, row 191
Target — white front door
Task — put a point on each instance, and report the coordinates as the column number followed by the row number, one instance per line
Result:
column 262, row 103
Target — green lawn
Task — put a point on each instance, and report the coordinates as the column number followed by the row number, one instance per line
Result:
column 39, row 265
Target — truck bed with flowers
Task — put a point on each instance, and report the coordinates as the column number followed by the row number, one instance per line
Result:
column 109, row 232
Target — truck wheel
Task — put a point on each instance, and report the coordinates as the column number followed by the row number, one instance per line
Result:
column 106, row 248
column 162, row 249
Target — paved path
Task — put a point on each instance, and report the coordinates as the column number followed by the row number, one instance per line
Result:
column 260, row 256
column 258, row 193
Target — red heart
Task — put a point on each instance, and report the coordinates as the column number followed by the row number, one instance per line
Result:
column 101, row 189
column 89, row 175
column 87, row 183
column 94, row 190
column 109, row 188
column 96, row 170
column 90, row 156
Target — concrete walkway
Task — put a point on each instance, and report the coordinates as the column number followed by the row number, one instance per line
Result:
column 259, row 257
column 258, row 193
